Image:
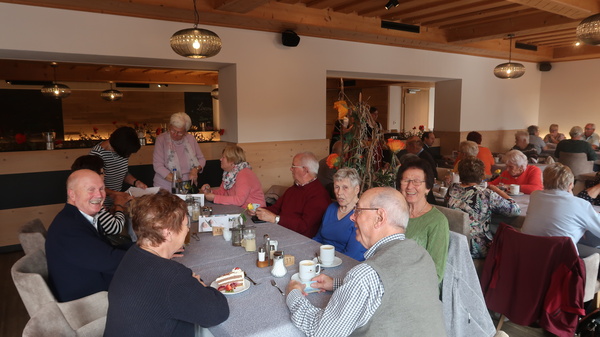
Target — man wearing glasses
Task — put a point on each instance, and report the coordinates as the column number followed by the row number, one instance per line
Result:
column 395, row 291
column 302, row 206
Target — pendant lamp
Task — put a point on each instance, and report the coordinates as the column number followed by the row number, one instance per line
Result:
column 588, row 30
column 195, row 42
column 55, row 90
column 111, row 95
column 510, row 69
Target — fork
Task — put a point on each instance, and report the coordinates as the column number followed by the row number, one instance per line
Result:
column 275, row 285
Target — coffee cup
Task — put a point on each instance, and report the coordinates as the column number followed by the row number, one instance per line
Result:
column 308, row 269
column 443, row 191
column 514, row 189
column 327, row 254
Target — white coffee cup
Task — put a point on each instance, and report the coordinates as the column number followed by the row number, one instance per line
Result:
column 514, row 189
column 443, row 191
column 327, row 254
column 227, row 234
column 308, row 269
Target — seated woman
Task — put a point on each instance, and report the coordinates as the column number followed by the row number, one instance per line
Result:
column 528, row 177
column 426, row 224
column 150, row 295
column 522, row 144
column 240, row 184
column 592, row 191
column 554, row 137
column 337, row 229
column 111, row 222
column 485, row 155
column 466, row 149
column 556, row 212
column 479, row 203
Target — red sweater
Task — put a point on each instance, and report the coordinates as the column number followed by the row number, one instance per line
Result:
column 301, row 208
column 530, row 180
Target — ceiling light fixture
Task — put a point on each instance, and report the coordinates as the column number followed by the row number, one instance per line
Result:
column 510, row 69
column 112, row 94
column 55, row 90
column 195, row 42
column 588, row 30
column 391, row 3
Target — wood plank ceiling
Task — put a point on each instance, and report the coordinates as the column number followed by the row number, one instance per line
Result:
column 474, row 27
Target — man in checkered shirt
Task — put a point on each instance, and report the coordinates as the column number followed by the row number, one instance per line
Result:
column 393, row 292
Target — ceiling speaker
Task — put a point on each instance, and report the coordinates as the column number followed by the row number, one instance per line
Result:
column 544, row 66
column 290, row 38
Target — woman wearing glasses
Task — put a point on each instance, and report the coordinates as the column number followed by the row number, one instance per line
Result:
column 479, row 203
column 426, row 225
column 177, row 149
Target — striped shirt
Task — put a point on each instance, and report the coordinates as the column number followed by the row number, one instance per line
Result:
column 353, row 303
column 111, row 223
column 115, row 169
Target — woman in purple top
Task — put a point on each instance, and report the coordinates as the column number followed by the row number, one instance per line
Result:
column 177, row 149
column 337, row 229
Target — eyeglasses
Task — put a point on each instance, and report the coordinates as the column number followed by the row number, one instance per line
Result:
column 178, row 133
column 415, row 182
column 296, row 166
column 357, row 210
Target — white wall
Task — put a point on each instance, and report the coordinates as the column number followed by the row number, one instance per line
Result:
column 269, row 92
column 570, row 95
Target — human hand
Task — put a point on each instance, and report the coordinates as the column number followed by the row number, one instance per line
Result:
column 169, row 177
column 179, row 252
column 209, row 196
column 194, row 175
column 296, row 285
column 322, row 282
column 121, row 198
column 265, row 215
column 205, row 188
column 140, row 184
column 197, row 277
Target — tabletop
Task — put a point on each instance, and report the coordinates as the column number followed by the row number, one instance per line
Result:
column 260, row 310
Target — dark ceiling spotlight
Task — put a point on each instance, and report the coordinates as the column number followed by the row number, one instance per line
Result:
column 392, row 3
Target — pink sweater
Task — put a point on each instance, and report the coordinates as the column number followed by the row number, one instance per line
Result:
column 246, row 190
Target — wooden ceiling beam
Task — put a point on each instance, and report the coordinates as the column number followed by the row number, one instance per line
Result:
column 574, row 9
column 519, row 25
column 238, row 6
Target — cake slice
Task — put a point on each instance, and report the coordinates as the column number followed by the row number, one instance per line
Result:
column 232, row 279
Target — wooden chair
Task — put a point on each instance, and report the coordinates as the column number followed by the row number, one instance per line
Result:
column 82, row 317
column 32, row 236
column 577, row 162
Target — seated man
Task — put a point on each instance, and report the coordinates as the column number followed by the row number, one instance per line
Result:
column 522, row 144
column 414, row 145
column 302, row 206
column 590, row 136
column 394, row 292
column 555, row 211
column 80, row 260
column 575, row 145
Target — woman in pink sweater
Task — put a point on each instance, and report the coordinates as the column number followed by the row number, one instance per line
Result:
column 240, row 184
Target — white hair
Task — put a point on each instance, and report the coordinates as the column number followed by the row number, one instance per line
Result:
column 181, row 120
column 393, row 203
column 468, row 147
column 309, row 161
column 515, row 157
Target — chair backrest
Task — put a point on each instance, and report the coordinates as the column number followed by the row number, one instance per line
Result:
column 30, row 276
column 577, row 162
column 458, row 221
column 32, row 236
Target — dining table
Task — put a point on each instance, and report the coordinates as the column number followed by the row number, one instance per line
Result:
column 260, row 310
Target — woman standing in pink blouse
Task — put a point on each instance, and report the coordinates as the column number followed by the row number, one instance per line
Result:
column 240, row 184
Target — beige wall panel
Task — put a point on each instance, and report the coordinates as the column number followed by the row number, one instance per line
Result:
column 271, row 161
column 11, row 220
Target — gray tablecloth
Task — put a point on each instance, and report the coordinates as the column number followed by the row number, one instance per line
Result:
column 260, row 310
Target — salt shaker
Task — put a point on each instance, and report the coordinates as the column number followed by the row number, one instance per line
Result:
column 279, row 269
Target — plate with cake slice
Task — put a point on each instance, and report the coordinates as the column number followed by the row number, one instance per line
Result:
column 231, row 283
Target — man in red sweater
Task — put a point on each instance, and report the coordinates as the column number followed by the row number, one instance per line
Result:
column 302, row 206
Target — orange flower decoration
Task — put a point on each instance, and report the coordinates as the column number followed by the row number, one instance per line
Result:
column 342, row 108
column 395, row 145
column 333, row 160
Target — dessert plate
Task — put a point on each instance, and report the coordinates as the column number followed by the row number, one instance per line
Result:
column 308, row 288
column 237, row 290
column 336, row 262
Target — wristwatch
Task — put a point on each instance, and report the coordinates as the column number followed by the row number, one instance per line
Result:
column 277, row 217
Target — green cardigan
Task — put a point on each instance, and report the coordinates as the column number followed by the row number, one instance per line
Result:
column 431, row 232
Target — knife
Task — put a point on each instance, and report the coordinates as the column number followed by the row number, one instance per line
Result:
column 251, row 280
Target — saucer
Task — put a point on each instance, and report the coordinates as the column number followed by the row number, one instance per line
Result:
column 237, row 290
column 514, row 195
column 308, row 288
column 336, row 262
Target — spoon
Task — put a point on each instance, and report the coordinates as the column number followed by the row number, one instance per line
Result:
column 275, row 285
